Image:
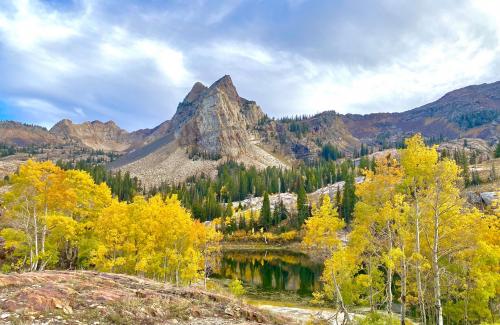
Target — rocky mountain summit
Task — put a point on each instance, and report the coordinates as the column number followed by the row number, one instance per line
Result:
column 212, row 124
column 216, row 120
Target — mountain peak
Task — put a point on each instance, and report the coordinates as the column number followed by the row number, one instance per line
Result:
column 64, row 122
column 226, row 85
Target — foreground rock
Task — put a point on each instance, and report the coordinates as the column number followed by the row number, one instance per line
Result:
column 84, row 297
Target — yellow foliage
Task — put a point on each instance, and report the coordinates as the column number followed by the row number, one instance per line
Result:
column 322, row 227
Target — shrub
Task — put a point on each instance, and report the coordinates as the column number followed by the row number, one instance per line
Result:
column 236, row 288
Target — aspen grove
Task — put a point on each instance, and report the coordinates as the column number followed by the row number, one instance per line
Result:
column 414, row 241
column 62, row 219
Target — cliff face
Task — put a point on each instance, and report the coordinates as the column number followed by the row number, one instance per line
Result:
column 216, row 120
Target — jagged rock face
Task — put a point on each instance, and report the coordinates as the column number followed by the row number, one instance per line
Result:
column 216, row 120
column 97, row 135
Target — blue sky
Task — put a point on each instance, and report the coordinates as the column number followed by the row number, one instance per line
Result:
column 134, row 61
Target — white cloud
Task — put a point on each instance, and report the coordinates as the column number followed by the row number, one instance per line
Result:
column 79, row 111
column 122, row 49
column 38, row 106
column 31, row 26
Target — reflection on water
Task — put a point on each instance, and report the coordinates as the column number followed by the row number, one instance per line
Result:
column 283, row 271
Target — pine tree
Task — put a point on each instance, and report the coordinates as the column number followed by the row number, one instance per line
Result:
column 280, row 213
column 229, row 210
column 302, row 206
column 349, row 198
column 265, row 212
column 276, row 215
column 242, row 223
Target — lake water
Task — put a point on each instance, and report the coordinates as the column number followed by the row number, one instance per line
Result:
column 274, row 274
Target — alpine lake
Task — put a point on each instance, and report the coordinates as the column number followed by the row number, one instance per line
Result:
column 277, row 276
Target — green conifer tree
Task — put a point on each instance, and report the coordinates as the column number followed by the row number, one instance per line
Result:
column 302, row 206
column 348, row 198
column 265, row 212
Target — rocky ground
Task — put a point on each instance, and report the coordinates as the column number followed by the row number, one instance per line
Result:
column 310, row 315
column 85, row 297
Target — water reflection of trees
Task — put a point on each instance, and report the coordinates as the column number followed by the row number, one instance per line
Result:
column 280, row 271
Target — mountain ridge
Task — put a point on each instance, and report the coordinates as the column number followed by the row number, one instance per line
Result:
column 214, row 124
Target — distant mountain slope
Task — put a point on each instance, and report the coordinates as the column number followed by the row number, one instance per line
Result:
column 302, row 138
column 98, row 135
column 20, row 134
column 473, row 112
column 93, row 135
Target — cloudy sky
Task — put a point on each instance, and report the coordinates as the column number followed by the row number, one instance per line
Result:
column 134, row 61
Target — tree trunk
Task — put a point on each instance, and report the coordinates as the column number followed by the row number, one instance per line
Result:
column 177, row 274
column 466, row 302
column 165, row 269
column 435, row 265
column 417, row 262
column 403, row 288
column 34, row 267
column 340, row 300
column 44, row 235
column 206, row 273
column 372, row 307
column 389, row 292
column 389, row 275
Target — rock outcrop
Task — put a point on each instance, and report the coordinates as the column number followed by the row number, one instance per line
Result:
column 85, row 297
column 216, row 120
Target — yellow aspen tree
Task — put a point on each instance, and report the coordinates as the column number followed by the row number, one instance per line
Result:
column 444, row 219
column 418, row 163
column 473, row 275
column 379, row 213
column 208, row 239
column 112, row 229
column 37, row 191
column 321, row 232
